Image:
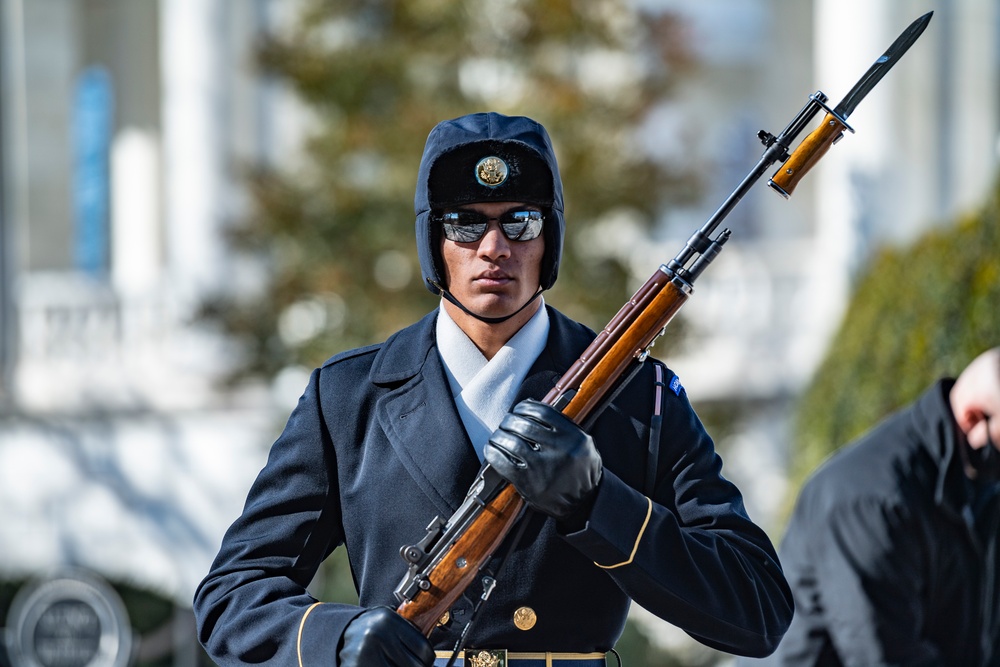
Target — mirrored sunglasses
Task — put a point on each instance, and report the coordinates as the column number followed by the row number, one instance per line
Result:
column 470, row 226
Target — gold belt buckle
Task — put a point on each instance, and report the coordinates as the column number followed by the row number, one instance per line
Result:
column 484, row 658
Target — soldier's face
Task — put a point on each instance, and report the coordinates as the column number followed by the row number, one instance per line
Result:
column 493, row 276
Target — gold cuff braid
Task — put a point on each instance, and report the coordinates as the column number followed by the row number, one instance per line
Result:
column 635, row 547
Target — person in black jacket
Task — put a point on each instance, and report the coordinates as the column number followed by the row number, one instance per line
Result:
column 892, row 549
column 386, row 437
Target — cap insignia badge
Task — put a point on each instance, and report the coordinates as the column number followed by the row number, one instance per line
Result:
column 491, row 171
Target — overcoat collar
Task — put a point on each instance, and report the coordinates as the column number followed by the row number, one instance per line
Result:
column 405, row 353
column 402, row 356
column 937, row 432
column 418, row 414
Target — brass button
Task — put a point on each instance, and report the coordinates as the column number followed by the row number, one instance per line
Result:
column 445, row 617
column 525, row 618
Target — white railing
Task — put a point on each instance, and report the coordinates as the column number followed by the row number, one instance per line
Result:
column 83, row 345
column 758, row 320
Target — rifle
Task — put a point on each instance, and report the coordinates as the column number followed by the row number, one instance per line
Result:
column 454, row 552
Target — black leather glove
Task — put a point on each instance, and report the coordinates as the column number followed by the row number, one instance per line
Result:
column 550, row 460
column 380, row 637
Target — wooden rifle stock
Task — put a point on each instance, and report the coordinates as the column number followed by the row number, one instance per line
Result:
column 625, row 340
column 450, row 557
column 460, row 564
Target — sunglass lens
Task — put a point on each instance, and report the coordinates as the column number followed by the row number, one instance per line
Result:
column 470, row 226
column 464, row 226
column 521, row 225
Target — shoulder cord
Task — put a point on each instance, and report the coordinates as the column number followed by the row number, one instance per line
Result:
column 653, row 452
column 655, row 426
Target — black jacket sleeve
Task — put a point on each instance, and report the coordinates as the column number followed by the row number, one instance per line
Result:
column 254, row 599
column 688, row 552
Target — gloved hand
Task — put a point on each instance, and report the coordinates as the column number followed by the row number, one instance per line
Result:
column 550, row 460
column 380, row 637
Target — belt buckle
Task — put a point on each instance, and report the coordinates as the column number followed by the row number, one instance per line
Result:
column 486, row 658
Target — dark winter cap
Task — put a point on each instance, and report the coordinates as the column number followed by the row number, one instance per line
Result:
column 487, row 157
column 490, row 171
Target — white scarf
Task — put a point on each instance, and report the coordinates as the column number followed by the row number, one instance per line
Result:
column 484, row 390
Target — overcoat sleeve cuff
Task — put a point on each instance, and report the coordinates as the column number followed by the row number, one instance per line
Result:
column 319, row 632
column 617, row 524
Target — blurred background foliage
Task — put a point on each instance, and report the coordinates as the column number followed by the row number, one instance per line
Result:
column 335, row 230
column 918, row 313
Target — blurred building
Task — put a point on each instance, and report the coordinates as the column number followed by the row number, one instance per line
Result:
column 124, row 127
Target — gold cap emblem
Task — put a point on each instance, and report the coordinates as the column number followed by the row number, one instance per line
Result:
column 491, row 171
column 525, row 618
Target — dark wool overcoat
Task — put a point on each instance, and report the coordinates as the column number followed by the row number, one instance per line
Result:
column 375, row 449
column 890, row 559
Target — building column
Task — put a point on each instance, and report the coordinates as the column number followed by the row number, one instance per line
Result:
column 192, row 32
column 12, row 184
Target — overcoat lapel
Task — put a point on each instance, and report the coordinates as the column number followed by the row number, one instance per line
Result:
column 419, row 417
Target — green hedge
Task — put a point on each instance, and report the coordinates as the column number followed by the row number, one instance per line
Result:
column 917, row 314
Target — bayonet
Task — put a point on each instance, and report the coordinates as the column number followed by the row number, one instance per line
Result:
column 831, row 130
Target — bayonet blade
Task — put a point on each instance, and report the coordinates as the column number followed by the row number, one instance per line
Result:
column 830, row 130
column 881, row 66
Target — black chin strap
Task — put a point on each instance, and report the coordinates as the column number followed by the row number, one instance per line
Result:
column 488, row 320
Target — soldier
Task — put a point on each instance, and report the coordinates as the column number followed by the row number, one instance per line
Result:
column 388, row 436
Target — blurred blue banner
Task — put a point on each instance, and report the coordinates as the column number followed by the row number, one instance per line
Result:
column 92, row 123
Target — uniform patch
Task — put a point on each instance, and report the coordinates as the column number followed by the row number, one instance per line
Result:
column 675, row 385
